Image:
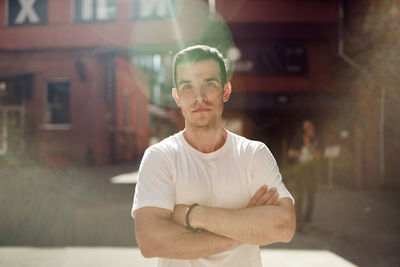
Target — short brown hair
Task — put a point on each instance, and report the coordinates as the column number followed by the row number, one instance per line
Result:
column 199, row 53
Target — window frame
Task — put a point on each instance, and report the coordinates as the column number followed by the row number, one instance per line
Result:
column 135, row 9
column 56, row 126
column 79, row 20
column 7, row 16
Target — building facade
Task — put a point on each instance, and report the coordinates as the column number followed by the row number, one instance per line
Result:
column 68, row 91
column 81, row 78
column 281, row 55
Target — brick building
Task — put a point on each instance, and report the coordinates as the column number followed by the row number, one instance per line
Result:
column 332, row 61
column 87, row 74
column 68, row 90
column 371, row 33
column 282, row 54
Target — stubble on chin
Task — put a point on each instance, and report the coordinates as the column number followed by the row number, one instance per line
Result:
column 203, row 123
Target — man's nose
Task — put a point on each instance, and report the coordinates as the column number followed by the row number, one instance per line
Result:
column 199, row 93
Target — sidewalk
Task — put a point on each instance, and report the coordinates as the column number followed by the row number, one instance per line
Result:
column 130, row 257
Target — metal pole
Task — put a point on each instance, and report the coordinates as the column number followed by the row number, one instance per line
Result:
column 382, row 135
column 330, row 173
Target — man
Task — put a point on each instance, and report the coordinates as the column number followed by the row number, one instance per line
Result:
column 205, row 196
column 305, row 151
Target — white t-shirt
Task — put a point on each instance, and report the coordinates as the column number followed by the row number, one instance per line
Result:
column 173, row 172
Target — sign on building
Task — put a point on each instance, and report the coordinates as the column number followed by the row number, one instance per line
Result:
column 27, row 12
column 153, row 9
column 272, row 59
column 95, row 10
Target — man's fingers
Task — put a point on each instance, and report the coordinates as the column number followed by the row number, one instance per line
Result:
column 263, row 196
column 260, row 192
column 266, row 197
column 273, row 198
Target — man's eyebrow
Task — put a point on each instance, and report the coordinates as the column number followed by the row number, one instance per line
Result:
column 184, row 81
column 212, row 79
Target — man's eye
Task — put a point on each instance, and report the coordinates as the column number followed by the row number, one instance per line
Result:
column 187, row 86
column 210, row 84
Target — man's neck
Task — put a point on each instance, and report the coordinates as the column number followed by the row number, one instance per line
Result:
column 310, row 135
column 205, row 140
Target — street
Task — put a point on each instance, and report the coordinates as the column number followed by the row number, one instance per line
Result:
column 75, row 216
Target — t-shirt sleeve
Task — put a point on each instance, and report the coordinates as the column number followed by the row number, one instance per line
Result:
column 265, row 171
column 154, row 187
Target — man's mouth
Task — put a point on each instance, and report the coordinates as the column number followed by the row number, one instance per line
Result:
column 202, row 109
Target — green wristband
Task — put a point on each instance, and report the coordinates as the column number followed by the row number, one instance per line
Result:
column 188, row 226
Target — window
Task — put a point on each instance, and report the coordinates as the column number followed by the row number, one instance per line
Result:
column 153, row 9
column 159, row 68
column 27, row 12
column 95, row 10
column 57, row 103
column 272, row 59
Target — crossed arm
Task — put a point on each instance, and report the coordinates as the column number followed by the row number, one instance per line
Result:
column 266, row 220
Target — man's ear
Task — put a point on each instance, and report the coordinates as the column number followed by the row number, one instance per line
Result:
column 176, row 96
column 227, row 91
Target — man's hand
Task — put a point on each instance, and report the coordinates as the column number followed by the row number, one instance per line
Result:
column 316, row 153
column 158, row 236
column 263, row 196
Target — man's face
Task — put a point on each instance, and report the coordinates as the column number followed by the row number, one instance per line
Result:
column 200, row 94
column 309, row 128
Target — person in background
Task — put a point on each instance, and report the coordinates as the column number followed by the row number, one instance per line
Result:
column 206, row 196
column 305, row 152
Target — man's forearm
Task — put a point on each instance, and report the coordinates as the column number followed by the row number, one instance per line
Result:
column 160, row 237
column 260, row 225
